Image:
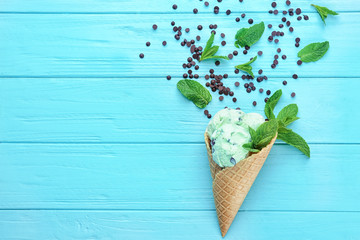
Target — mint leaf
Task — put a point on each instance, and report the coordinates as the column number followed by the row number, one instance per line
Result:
column 293, row 139
column 313, row 51
column 249, row 36
column 249, row 147
column 246, row 67
column 263, row 135
column 323, row 12
column 288, row 114
column 210, row 51
column 195, row 92
column 271, row 103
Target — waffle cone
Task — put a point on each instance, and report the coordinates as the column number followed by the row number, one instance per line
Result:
column 232, row 184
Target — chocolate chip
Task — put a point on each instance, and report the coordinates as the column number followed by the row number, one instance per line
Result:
column 283, row 19
column 298, row 11
column 288, row 2
column 279, row 50
column 269, row 26
column 230, row 56
column 237, row 84
column 297, row 44
column 235, row 53
column 306, row 17
column 299, row 62
column 222, row 35
column 237, row 19
column 250, row 21
column 293, row 94
column 209, row 116
column 260, row 53
column 221, row 98
column 174, row 6
column 154, row 26
column 195, row 11
column 168, row 77
column 223, row 43
column 297, row 39
column 268, row 92
column 245, row 52
column 243, row 15
column 261, row 90
column 254, row 103
column 295, row 76
column 234, row 99
column 299, row 18
column 273, row 4
column 141, row 55
column 228, row 12
column 283, row 57
column 206, row 4
column 147, row 44
column 206, row 112
column 284, row 83
column 291, row 29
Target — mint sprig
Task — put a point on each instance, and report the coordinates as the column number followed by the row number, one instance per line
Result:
column 324, row 12
column 246, row 67
column 195, row 92
column 262, row 136
column 210, row 50
column 286, row 116
column 249, row 36
column 313, row 51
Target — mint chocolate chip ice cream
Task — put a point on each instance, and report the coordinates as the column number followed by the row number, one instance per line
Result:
column 228, row 132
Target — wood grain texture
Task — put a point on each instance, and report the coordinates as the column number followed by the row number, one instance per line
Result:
column 170, row 176
column 177, row 225
column 161, row 6
column 152, row 110
column 93, row 45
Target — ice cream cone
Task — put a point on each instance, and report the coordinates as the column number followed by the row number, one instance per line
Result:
column 232, row 184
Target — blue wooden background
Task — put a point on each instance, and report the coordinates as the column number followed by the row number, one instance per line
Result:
column 95, row 143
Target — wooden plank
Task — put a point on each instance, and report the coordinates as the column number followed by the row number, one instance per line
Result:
column 177, row 225
column 161, row 6
column 170, row 176
column 95, row 45
column 152, row 110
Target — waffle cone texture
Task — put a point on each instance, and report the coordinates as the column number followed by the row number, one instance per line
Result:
column 232, row 184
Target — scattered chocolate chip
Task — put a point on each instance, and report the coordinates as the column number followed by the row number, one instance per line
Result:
column 199, row 27
column 295, row 76
column 250, row 21
column 217, row 63
column 141, row 55
column 306, row 17
column 195, row 10
column 206, row 112
column 299, row 62
column 273, row 4
column 209, row 116
column 283, row 57
column 222, row 35
column 237, row 19
column 288, row 2
column 230, row 56
column 293, row 94
column 260, row 53
column 147, row 44
column 221, row 98
column 297, row 44
column 268, row 92
column 168, row 77
column 298, row 11
column 254, row 103
column 261, row 90
column 237, row 84
column 228, row 12
column 174, row 6
column 243, row 15
column 234, row 99
column 223, row 43
column 269, row 26
column 291, row 29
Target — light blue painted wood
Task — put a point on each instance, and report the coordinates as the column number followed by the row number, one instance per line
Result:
column 133, row 110
column 148, row 189
column 160, row 6
column 175, row 176
column 90, row 45
column 177, row 225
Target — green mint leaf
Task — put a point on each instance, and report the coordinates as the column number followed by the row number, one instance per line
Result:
column 249, row 36
column 209, row 43
column 323, row 12
column 288, row 114
column 264, row 134
column 295, row 140
column 252, row 133
column 249, row 147
column 218, row 57
column 246, row 67
column 271, row 103
column 195, row 92
column 210, row 51
column 313, row 51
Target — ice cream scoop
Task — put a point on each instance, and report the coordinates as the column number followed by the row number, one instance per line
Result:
column 228, row 132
